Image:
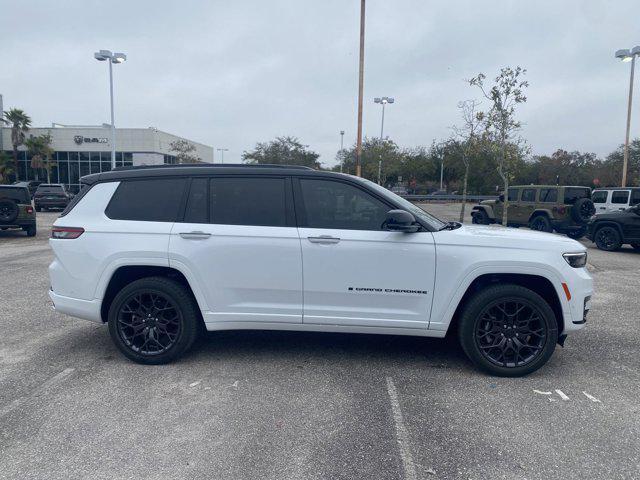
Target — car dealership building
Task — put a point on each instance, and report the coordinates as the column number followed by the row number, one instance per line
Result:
column 81, row 150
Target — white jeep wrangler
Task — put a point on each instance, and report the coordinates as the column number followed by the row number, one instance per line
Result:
column 163, row 253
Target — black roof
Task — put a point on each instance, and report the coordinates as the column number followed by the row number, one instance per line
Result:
column 147, row 171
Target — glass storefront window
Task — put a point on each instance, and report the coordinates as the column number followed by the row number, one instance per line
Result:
column 63, row 167
column 95, row 162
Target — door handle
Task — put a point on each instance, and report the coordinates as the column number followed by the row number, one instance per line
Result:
column 326, row 239
column 194, row 235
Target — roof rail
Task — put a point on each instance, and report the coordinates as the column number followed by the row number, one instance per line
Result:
column 216, row 165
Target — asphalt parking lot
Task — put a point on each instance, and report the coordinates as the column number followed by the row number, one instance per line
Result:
column 274, row 405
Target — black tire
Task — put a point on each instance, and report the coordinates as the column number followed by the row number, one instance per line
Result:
column 583, row 210
column 8, row 211
column 480, row 217
column 541, row 223
column 577, row 234
column 538, row 345
column 38, row 208
column 607, row 238
column 132, row 331
column 31, row 231
column 636, row 246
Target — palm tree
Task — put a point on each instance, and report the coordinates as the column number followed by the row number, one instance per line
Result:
column 6, row 167
column 19, row 123
column 41, row 154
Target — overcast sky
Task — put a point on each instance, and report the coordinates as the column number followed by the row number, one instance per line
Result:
column 232, row 73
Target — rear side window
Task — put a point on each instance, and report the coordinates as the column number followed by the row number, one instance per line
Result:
column 529, row 195
column 248, row 201
column 620, row 197
column 635, row 197
column 337, row 205
column 154, row 200
column 573, row 194
column 197, row 210
column 599, row 197
column 513, row 194
column 84, row 189
column 549, row 195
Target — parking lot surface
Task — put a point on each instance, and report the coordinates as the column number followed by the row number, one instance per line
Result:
column 274, row 405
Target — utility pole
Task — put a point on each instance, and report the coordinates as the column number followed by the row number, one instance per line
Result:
column 1, row 124
column 383, row 101
column 360, row 90
column 341, row 146
column 628, row 55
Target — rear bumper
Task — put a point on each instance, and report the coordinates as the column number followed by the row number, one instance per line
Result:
column 51, row 203
column 85, row 309
column 20, row 223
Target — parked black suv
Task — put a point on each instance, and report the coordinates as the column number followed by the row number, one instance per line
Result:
column 609, row 231
column 16, row 210
column 32, row 185
column 51, row 195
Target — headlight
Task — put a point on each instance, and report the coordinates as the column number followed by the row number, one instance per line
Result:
column 576, row 260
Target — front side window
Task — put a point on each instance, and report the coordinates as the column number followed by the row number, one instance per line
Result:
column 529, row 195
column 620, row 197
column 549, row 195
column 152, row 200
column 513, row 194
column 248, row 201
column 573, row 194
column 338, row 205
column 599, row 197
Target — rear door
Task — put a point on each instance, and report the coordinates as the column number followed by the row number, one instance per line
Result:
column 600, row 198
column 619, row 200
column 355, row 273
column 527, row 205
column 239, row 242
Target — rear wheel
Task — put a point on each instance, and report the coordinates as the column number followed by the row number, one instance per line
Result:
column 38, row 208
column 31, row 231
column 636, row 246
column 480, row 217
column 508, row 330
column 153, row 320
column 607, row 238
column 541, row 223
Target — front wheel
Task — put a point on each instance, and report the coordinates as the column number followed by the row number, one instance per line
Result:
column 153, row 320
column 508, row 330
column 480, row 217
column 541, row 223
column 608, row 239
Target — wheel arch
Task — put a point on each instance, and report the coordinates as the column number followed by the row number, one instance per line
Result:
column 537, row 283
column 541, row 211
column 487, row 209
column 126, row 274
column 608, row 223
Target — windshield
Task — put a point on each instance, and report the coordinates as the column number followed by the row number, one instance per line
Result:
column 417, row 212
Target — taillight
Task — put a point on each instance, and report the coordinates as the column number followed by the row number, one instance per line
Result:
column 66, row 232
column 561, row 210
column 29, row 209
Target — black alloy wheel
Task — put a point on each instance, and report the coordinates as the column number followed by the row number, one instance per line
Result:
column 583, row 210
column 608, row 239
column 508, row 330
column 154, row 320
column 480, row 217
column 541, row 223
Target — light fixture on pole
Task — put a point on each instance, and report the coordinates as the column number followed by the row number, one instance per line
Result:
column 383, row 101
column 627, row 55
column 106, row 55
column 222, row 150
column 341, row 149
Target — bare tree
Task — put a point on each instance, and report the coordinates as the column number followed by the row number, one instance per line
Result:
column 469, row 133
column 501, row 124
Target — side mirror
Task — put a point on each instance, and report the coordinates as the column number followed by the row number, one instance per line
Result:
column 400, row 221
column 501, row 197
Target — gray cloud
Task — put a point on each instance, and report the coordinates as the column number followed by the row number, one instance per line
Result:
column 234, row 73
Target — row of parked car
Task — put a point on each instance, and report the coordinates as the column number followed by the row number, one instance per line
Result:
column 608, row 217
column 17, row 210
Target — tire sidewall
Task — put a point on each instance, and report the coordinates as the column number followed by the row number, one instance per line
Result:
column 616, row 245
column 179, row 296
column 470, row 317
column 544, row 221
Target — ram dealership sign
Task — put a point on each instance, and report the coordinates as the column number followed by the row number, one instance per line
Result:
column 79, row 139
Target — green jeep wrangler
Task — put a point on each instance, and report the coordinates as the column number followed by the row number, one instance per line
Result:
column 16, row 210
column 565, row 209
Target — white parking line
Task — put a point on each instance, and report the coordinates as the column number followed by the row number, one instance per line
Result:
column 591, row 397
column 562, row 395
column 402, row 436
column 58, row 378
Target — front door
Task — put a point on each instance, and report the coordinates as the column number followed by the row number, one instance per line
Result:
column 355, row 273
column 239, row 242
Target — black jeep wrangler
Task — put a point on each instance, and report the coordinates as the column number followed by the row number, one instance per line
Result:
column 16, row 210
column 610, row 230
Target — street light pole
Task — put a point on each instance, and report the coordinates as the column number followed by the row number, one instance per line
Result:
column 383, row 101
column 341, row 149
column 222, row 150
column 360, row 89
column 628, row 55
column 110, row 58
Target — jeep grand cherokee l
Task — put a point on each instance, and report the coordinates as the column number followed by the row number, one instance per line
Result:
column 161, row 253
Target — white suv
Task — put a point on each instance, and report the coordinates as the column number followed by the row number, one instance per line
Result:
column 162, row 253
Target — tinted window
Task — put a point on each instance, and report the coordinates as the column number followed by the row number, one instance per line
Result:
column 17, row 194
column 248, row 201
column 156, row 200
column 330, row 204
column 635, row 197
column 50, row 189
column 197, row 202
column 599, row 197
column 513, row 194
column 549, row 195
column 620, row 197
column 571, row 194
column 529, row 195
